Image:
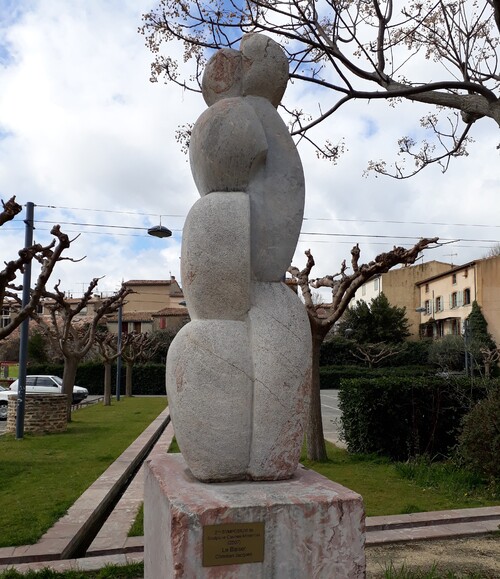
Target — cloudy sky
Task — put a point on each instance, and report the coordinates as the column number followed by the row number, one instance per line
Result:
column 90, row 141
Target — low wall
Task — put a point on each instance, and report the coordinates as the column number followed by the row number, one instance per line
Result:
column 43, row 413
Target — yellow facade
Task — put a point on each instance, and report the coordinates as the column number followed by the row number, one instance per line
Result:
column 446, row 299
column 400, row 288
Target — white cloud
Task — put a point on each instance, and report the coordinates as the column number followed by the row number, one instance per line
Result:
column 81, row 126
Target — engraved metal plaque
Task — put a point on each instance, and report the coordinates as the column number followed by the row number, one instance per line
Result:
column 233, row 544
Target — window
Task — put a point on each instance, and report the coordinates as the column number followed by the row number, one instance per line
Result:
column 466, row 273
column 454, row 279
column 467, row 296
column 46, row 382
column 454, row 300
column 375, row 284
column 137, row 327
column 39, row 309
column 439, row 304
column 426, row 288
column 427, row 307
column 5, row 319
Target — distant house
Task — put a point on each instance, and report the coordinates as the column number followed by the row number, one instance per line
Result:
column 153, row 305
column 446, row 299
column 400, row 286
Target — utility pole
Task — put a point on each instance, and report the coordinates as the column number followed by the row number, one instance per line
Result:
column 24, row 332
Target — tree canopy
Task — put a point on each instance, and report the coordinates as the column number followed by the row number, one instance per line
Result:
column 442, row 53
column 375, row 322
column 477, row 329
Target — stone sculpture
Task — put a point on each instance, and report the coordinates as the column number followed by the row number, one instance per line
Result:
column 237, row 374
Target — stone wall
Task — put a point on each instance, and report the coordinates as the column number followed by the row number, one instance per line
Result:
column 43, row 413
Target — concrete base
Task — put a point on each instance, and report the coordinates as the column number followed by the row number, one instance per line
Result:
column 313, row 527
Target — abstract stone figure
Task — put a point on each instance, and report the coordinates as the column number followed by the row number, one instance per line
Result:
column 237, row 374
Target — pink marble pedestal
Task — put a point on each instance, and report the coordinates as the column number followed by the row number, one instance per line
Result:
column 312, row 527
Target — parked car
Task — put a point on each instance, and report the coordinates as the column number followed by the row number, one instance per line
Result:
column 49, row 384
column 4, row 396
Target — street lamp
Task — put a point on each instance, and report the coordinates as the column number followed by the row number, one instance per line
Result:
column 159, row 230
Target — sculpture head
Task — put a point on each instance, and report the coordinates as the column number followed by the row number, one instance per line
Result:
column 259, row 68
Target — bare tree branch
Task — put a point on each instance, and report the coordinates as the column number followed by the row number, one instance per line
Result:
column 356, row 43
column 10, row 210
column 47, row 256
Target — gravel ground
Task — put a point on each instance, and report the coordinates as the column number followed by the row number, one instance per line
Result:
column 464, row 555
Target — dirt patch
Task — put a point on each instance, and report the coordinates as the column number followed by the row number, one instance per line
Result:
column 464, row 555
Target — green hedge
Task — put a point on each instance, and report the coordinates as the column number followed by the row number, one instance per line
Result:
column 405, row 417
column 146, row 378
column 338, row 351
column 331, row 376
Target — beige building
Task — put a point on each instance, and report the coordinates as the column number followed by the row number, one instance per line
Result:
column 446, row 299
column 152, row 305
column 400, row 287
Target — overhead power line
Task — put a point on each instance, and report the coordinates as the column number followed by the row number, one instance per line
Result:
column 392, row 221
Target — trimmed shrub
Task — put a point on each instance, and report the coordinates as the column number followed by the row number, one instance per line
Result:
column 415, row 353
column 403, row 417
column 480, row 439
column 338, row 352
column 331, row 376
column 147, row 379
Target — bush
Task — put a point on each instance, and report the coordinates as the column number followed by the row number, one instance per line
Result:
column 331, row 376
column 448, row 353
column 480, row 439
column 147, row 379
column 402, row 417
column 338, row 351
column 415, row 353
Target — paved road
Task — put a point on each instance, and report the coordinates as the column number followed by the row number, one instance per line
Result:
column 331, row 416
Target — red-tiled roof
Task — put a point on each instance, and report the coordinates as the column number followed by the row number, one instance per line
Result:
column 131, row 317
column 171, row 312
column 148, row 282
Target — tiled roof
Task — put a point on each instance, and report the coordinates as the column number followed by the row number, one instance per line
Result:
column 148, row 282
column 171, row 312
column 131, row 317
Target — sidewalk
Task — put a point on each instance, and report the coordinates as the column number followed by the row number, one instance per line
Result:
column 112, row 546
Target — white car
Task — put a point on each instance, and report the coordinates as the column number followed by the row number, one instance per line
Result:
column 40, row 385
column 4, row 397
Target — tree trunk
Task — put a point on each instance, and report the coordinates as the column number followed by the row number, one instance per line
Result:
column 315, row 440
column 128, row 379
column 69, row 376
column 107, row 383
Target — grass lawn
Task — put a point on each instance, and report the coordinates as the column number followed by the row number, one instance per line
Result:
column 42, row 476
column 386, row 492
column 132, row 571
column 136, row 571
